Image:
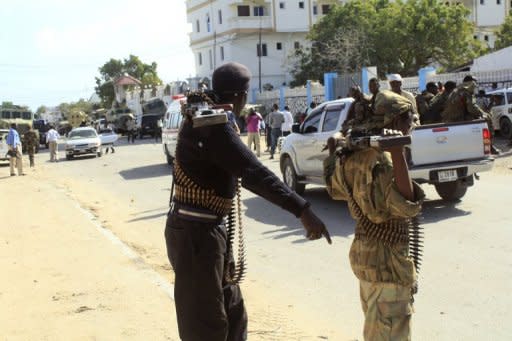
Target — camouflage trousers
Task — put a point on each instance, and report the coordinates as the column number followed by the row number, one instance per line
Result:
column 388, row 309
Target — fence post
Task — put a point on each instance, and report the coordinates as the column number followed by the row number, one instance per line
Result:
column 366, row 74
column 423, row 73
column 309, row 94
column 329, row 85
column 253, row 95
column 281, row 97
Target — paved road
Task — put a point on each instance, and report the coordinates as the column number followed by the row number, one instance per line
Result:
column 301, row 290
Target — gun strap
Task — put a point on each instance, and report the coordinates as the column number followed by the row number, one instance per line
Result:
column 235, row 271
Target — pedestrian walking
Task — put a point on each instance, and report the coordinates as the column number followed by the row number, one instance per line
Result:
column 253, row 121
column 52, row 137
column 31, row 143
column 288, row 121
column 276, row 121
column 15, row 150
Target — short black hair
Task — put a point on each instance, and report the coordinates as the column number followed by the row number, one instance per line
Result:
column 431, row 85
column 286, row 107
column 13, row 125
column 450, row 85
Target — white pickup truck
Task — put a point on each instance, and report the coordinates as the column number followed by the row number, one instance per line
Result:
column 447, row 156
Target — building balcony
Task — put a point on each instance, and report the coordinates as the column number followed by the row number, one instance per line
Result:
column 249, row 23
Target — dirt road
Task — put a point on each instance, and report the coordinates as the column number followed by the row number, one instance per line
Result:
column 82, row 246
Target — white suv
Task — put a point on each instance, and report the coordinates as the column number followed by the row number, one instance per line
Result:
column 301, row 151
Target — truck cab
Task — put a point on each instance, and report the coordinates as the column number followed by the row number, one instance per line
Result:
column 501, row 111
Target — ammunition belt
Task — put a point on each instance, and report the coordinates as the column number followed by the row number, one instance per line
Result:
column 189, row 193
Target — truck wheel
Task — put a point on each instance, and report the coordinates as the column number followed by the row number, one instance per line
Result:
column 290, row 177
column 505, row 128
column 170, row 159
column 452, row 190
column 69, row 157
column 99, row 154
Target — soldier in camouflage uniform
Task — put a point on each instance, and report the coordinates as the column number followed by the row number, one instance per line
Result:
column 31, row 142
column 423, row 100
column 379, row 254
column 438, row 103
column 359, row 109
column 461, row 106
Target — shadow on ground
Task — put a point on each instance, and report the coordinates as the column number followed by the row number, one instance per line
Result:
column 334, row 214
column 145, row 172
column 437, row 210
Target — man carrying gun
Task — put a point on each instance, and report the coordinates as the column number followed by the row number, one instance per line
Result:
column 366, row 167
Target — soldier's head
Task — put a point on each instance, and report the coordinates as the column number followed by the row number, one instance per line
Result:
column 449, row 86
column 432, row 88
column 374, row 85
column 230, row 82
column 393, row 111
column 470, row 83
column 355, row 92
column 395, row 82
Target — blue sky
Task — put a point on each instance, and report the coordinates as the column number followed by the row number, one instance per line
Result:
column 51, row 49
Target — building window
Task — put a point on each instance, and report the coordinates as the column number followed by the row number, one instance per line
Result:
column 279, row 46
column 210, row 58
column 259, row 11
column 198, row 27
column 315, row 10
column 220, row 17
column 222, row 53
column 296, row 45
column 200, row 58
column 486, row 37
column 475, row 37
column 281, row 5
column 208, row 28
column 498, row 2
column 244, row 11
column 261, row 52
column 482, row 2
column 327, row 8
column 301, row 4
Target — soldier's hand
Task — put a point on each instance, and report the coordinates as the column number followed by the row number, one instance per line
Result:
column 315, row 228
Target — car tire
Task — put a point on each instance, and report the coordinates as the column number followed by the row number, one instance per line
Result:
column 505, row 128
column 170, row 159
column 69, row 157
column 290, row 177
column 452, row 190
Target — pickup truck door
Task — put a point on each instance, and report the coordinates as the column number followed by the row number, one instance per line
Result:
column 308, row 143
column 312, row 155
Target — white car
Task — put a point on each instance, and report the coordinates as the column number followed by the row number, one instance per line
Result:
column 172, row 123
column 501, row 111
column 82, row 141
column 3, row 145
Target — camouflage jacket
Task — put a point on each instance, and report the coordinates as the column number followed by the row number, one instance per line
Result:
column 30, row 140
column 461, row 105
column 369, row 175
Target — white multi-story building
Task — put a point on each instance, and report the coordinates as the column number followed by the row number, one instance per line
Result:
column 263, row 33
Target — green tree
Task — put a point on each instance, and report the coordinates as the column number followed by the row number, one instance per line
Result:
column 504, row 34
column 114, row 68
column 41, row 110
column 395, row 36
column 81, row 105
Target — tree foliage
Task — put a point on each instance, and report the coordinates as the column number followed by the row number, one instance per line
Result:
column 396, row 36
column 115, row 68
column 81, row 105
column 504, row 35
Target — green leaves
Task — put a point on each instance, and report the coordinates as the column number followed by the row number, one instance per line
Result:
column 397, row 37
column 504, row 35
column 115, row 68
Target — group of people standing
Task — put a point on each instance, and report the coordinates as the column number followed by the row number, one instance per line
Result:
column 31, row 141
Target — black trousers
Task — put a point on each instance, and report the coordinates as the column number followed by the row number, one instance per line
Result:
column 207, row 308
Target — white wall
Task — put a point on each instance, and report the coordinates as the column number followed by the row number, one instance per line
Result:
column 490, row 13
column 499, row 60
column 292, row 18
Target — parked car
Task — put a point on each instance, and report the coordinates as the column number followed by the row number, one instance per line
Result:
column 171, row 126
column 444, row 155
column 148, row 125
column 82, row 141
column 501, row 111
column 42, row 126
column 3, row 145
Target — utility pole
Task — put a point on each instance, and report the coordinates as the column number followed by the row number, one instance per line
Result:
column 260, row 49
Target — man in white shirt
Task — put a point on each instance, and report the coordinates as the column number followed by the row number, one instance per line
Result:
column 395, row 82
column 288, row 121
column 51, row 138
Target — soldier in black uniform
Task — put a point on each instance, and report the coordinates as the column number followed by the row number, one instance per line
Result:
column 209, row 159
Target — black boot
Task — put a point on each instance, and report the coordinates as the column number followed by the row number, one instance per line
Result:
column 495, row 150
